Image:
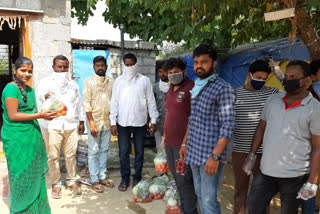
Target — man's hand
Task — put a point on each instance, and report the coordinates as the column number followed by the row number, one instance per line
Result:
column 211, row 166
column 183, row 152
column 93, row 130
column 307, row 191
column 152, row 129
column 49, row 94
column 162, row 146
column 249, row 163
column 81, row 128
column 114, row 130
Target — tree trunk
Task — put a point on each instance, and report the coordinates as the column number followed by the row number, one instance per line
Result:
column 307, row 33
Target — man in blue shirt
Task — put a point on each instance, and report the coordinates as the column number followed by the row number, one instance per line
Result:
column 211, row 124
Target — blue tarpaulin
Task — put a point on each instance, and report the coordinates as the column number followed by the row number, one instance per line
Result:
column 234, row 68
column 83, row 64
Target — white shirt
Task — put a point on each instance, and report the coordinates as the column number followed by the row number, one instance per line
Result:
column 68, row 93
column 132, row 99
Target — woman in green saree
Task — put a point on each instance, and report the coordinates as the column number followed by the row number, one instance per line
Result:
column 23, row 144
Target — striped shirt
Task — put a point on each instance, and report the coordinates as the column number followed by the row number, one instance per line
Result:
column 248, row 108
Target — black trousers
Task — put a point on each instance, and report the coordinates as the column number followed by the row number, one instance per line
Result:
column 265, row 187
column 184, row 183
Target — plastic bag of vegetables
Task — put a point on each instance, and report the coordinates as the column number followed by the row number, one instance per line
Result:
column 160, row 162
column 172, row 199
column 157, row 191
column 55, row 105
column 163, row 179
column 171, row 184
column 141, row 192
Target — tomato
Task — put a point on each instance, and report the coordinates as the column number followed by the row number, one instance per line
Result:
column 135, row 198
column 60, row 109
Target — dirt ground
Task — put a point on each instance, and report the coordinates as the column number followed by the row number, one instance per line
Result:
column 112, row 201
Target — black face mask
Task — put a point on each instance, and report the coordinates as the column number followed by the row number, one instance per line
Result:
column 291, row 85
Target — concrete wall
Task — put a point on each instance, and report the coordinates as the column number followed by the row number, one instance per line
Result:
column 49, row 34
column 146, row 61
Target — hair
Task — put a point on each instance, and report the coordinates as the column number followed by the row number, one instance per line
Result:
column 174, row 63
column 160, row 65
column 259, row 65
column 99, row 59
column 59, row 57
column 315, row 67
column 130, row 56
column 303, row 65
column 18, row 64
column 205, row 49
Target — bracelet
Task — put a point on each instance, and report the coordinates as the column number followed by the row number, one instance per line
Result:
column 183, row 144
column 40, row 115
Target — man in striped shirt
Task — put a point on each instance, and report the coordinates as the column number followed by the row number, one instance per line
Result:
column 250, row 99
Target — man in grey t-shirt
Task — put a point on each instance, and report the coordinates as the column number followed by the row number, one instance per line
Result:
column 290, row 132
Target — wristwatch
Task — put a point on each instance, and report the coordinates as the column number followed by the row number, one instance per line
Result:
column 215, row 156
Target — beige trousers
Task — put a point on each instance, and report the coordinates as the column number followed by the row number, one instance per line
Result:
column 45, row 136
column 68, row 140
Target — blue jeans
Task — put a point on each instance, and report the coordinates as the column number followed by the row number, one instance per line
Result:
column 309, row 206
column 124, row 143
column 98, row 154
column 207, row 188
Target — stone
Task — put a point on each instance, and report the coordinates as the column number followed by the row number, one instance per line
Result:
column 6, row 3
column 29, row 4
column 65, row 20
column 52, row 12
column 149, row 61
column 49, row 20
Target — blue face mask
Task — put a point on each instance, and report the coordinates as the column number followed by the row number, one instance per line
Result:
column 257, row 84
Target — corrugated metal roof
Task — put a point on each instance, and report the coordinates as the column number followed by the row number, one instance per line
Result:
column 135, row 45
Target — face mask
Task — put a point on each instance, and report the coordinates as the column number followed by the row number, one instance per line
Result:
column 176, row 79
column 131, row 71
column 257, row 84
column 61, row 75
column 291, row 85
column 164, row 86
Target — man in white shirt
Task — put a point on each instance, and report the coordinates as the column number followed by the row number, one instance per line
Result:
column 132, row 99
column 63, row 130
column 97, row 91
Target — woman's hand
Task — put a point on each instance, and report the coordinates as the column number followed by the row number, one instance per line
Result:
column 49, row 115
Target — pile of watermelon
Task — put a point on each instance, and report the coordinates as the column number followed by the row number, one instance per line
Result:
column 161, row 163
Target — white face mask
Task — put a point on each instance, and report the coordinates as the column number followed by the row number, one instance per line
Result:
column 61, row 75
column 164, row 86
column 130, row 71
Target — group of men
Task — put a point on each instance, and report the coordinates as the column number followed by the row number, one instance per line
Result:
column 276, row 135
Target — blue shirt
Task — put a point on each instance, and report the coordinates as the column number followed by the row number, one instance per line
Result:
column 212, row 117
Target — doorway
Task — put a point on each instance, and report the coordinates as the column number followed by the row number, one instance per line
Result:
column 9, row 52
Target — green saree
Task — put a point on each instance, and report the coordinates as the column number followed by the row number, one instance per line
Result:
column 26, row 156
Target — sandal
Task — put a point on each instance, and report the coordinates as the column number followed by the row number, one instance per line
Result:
column 107, row 183
column 56, row 192
column 75, row 189
column 123, row 187
column 97, row 187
